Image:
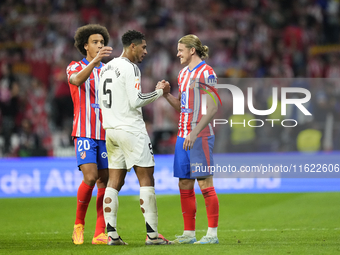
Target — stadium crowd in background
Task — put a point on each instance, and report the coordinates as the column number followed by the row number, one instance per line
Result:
column 247, row 38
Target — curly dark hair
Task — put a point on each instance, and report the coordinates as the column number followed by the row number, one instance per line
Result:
column 132, row 36
column 83, row 33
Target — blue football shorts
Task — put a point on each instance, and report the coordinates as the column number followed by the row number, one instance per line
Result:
column 91, row 151
column 193, row 164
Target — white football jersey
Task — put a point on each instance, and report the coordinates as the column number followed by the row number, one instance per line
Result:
column 121, row 97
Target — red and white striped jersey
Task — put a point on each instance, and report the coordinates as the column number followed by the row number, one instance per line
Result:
column 188, row 83
column 87, row 117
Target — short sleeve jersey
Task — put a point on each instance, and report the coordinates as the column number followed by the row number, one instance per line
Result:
column 87, row 118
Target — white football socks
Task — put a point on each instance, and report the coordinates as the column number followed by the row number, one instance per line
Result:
column 190, row 233
column 212, row 232
column 110, row 208
column 148, row 206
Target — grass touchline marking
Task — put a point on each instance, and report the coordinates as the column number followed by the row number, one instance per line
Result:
column 272, row 229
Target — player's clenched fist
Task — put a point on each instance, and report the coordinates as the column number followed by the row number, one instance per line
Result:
column 165, row 85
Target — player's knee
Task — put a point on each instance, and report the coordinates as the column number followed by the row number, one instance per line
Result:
column 103, row 175
column 205, row 183
column 102, row 181
column 147, row 181
column 91, row 179
column 116, row 184
column 186, row 184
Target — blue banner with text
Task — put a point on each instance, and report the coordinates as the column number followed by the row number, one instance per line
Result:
column 43, row 177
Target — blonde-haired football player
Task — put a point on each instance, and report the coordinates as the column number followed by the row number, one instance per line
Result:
column 195, row 140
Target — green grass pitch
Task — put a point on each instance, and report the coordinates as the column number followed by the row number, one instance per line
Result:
column 289, row 223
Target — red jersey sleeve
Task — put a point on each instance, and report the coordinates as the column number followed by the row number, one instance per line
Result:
column 73, row 67
column 209, row 80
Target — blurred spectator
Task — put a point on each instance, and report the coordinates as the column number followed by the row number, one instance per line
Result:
column 333, row 67
column 9, row 107
column 27, row 143
column 315, row 67
column 36, row 112
column 62, row 105
column 309, row 140
column 89, row 12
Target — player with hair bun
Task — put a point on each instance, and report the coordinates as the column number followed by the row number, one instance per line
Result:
column 195, row 140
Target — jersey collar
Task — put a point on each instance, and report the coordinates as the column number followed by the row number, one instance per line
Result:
column 126, row 59
column 200, row 64
column 87, row 62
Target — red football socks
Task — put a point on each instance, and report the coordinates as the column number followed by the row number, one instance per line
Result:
column 83, row 199
column 212, row 206
column 100, row 225
column 188, row 203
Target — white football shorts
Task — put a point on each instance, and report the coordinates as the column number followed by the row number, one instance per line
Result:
column 127, row 149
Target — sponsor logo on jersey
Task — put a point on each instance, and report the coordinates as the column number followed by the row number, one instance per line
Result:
column 184, row 110
column 95, row 106
column 184, row 99
column 104, row 155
